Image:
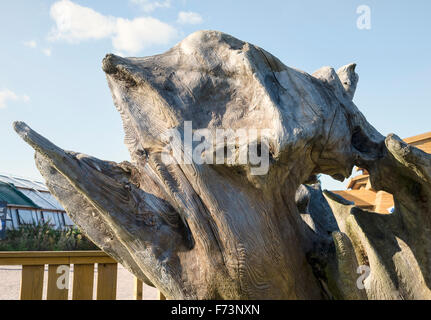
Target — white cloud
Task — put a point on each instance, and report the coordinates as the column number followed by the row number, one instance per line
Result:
column 75, row 23
column 47, row 52
column 135, row 35
column 189, row 18
column 8, row 95
column 150, row 6
column 30, row 44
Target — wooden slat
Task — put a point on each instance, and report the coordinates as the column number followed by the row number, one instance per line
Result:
column 358, row 180
column 83, row 278
column 53, row 260
column 55, row 292
column 362, row 198
column 38, row 254
column 32, row 282
column 161, row 296
column 384, row 201
column 88, row 260
column 106, row 281
column 138, row 289
column 53, row 257
column 419, row 137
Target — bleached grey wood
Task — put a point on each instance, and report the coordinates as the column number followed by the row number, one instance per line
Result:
column 201, row 231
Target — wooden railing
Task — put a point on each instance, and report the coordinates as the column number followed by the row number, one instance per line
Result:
column 33, row 269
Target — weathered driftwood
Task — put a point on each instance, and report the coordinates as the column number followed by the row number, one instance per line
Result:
column 202, row 231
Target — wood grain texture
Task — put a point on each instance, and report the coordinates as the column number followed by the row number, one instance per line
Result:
column 83, row 280
column 219, row 231
column 106, row 281
column 32, row 282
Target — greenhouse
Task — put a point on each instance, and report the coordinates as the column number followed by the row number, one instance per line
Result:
column 26, row 201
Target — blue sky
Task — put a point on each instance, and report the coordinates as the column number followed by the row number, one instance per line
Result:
column 51, row 54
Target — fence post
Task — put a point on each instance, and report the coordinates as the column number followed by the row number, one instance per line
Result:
column 161, row 296
column 83, row 262
column 83, row 278
column 32, row 282
column 54, row 292
column 138, row 289
column 107, row 281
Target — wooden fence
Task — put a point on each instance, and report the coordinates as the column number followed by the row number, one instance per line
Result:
column 33, row 269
